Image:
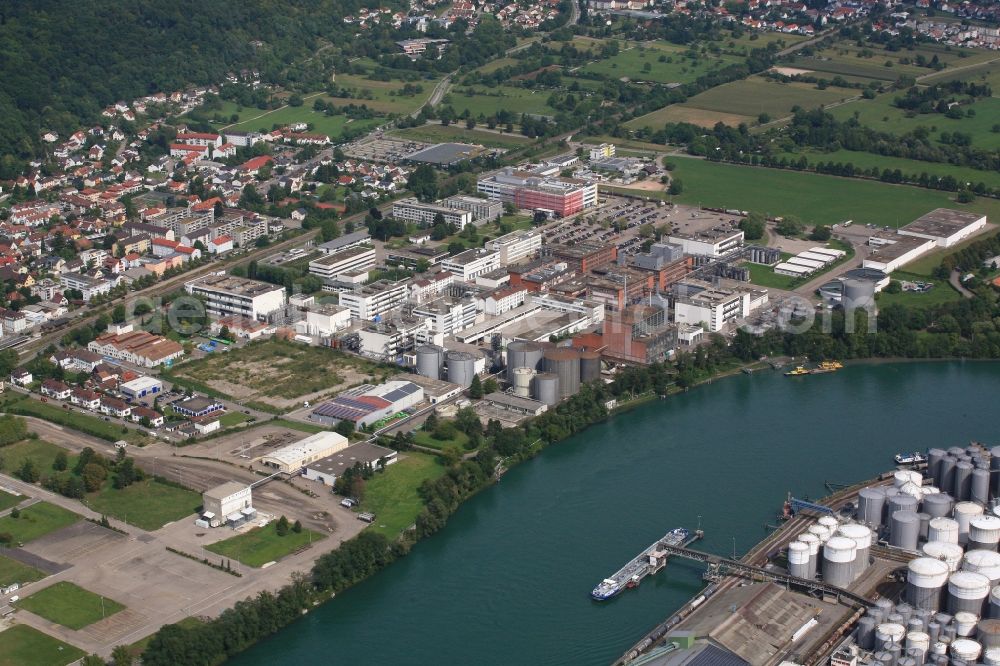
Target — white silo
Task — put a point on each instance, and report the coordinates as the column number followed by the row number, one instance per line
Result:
column 918, row 640
column 903, row 476
column 964, row 513
column 839, row 554
column 962, row 485
column 943, row 529
column 966, row 650
column 926, row 579
column 965, row 623
column 862, row 537
column 901, row 502
column 888, row 634
column 991, row 656
column 967, row 591
column 904, row 530
column 994, row 607
column 871, row 504
column 980, row 488
column 798, row 559
column 522, row 382
column 830, row 523
column 986, row 562
column 984, row 532
column 912, row 489
column 949, row 553
column 813, row 542
column 820, row 532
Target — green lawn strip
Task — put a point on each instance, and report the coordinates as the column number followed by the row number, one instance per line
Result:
column 764, row 276
column 642, row 63
column 425, row 439
column 233, row 418
column 90, row 425
column 393, row 495
column 815, row 198
column 148, row 504
column 262, row 544
column 488, row 101
column 70, row 605
column 37, row 520
column 296, row 425
column 22, row 645
column 7, row 500
column 12, row 571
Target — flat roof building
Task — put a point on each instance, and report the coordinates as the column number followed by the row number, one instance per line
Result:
column 712, row 308
column 229, row 295
column 374, row 300
column 516, row 404
column 230, row 499
column 469, row 264
column 583, row 257
column 445, row 154
column 352, row 239
column 516, row 245
column 329, row 266
column 141, row 387
column 424, row 214
column 897, row 251
column 483, row 210
column 327, row 470
column 290, row 459
column 945, row 226
column 559, row 196
column 711, row 242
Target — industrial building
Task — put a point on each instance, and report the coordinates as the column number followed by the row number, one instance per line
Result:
column 324, row 320
column 640, row 334
column 583, row 257
column 711, row 307
column 197, row 406
column 711, row 242
column 344, row 242
column 558, row 196
column 292, row 458
column 516, row 245
column 374, row 300
column 230, row 503
column 424, row 214
column 445, row 154
column 889, row 253
column 137, row 347
column 388, row 340
column 515, row 404
column 227, row 295
column 141, row 387
column 327, row 470
column 945, row 226
column 483, row 210
column 330, row 266
column 449, row 315
column 368, row 404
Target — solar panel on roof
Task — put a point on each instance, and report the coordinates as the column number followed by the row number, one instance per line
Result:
column 394, row 395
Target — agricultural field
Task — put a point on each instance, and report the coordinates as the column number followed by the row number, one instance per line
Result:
column 22, row 645
column 70, row 605
column 816, row 199
column 442, row 133
column 386, row 96
column 37, row 520
column 393, row 495
column 279, row 373
column 987, row 72
column 868, row 160
column 12, row 571
column 758, row 40
column 484, row 101
column 879, row 114
column 753, row 96
column 263, row 544
column 332, row 126
column 659, row 62
column 682, row 113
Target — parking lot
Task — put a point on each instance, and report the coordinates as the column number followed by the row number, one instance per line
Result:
column 378, row 148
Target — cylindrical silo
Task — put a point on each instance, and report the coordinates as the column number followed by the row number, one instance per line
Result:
column 965, row 623
column 864, row 636
column 934, row 457
column 918, row 640
column 521, row 354
column 943, row 529
column 522, row 382
column 980, row 488
column 995, row 468
column 903, row 476
column 547, row 388
column 461, row 367
column 988, row 633
column 839, row 554
column 590, row 366
column 430, row 361
column 902, row 502
column 871, row 502
column 994, row 607
column 991, row 656
column 830, row 523
column 937, row 505
column 565, row 362
column 862, row 537
column 947, row 473
column 986, row 562
column 949, row 553
column 984, row 532
column 925, row 522
column 904, row 530
column 926, row 579
column 820, row 532
column 967, row 591
column 965, row 649
column 888, row 634
column 964, row 513
column 798, row 559
column 813, row 542
column 963, row 480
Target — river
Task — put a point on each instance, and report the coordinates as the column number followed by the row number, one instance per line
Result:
column 508, row 580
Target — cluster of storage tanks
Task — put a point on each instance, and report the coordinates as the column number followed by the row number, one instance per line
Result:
column 951, row 609
column 904, row 635
column 457, row 367
column 838, row 551
column 548, row 373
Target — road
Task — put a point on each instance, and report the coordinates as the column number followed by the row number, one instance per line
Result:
column 955, row 279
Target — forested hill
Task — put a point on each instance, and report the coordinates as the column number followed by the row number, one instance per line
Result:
column 63, row 61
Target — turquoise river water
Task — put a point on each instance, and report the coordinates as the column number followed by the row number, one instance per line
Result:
column 508, row 580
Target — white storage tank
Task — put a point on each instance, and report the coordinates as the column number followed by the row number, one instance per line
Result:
column 813, row 542
column 943, row 529
column 888, row 634
column 903, row 476
column 988, row 633
column 949, row 553
column 839, row 554
column 461, row 367
column 984, row 532
column 986, row 562
column 966, row 649
column 862, row 537
column 964, row 513
column 522, row 382
column 430, row 361
column 991, row 656
column 820, row 532
column 918, row 640
column 926, row 579
column 967, row 591
column 830, row 523
column 798, row 559
column 871, row 504
column 965, row 623
column 994, row 608
column 547, row 389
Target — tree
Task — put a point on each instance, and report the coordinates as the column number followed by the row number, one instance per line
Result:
column 344, row 427
column 28, row 472
column 476, row 388
column 820, row 232
column 676, row 186
column 753, row 226
column 423, row 183
column 122, row 656
column 61, row 462
column 297, row 527
column 118, row 314
column 15, row 513
column 94, row 660
column 490, row 386
column 281, row 528
column 789, row 226
column 93, row 476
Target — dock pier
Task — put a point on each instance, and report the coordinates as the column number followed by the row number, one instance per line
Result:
column 650, row 561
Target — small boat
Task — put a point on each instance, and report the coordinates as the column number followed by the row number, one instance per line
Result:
column 825, row 367
column 606, row 589
column 910, row 458
column 798, row 371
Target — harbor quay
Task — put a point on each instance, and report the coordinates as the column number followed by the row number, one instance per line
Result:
column 899, row 570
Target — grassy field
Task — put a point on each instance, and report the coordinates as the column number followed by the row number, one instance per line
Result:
column 91, row 425
column 681, row 113
column 386, row 94
column 480, row 100
column 868, row 160
column 22, row 645
column 37, row 520
column 668, row 63
column 424, row 439
column 879, row 114
column 262, row 545
column 941, row 293
column 70, row 605
column 38, row 451
column 988, row 72
column 332, row 126
column 230, row 419
column 442, row 133
column 923, row 266
column 393, row 495
column 8, row 500
column 278, row 370
column 764, row 276
column 816, row 199
column 753, row 96
column 148, row 504
column 12, row 571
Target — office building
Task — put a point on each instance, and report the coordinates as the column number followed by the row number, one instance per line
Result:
column 227, row 295
column 423, row 214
